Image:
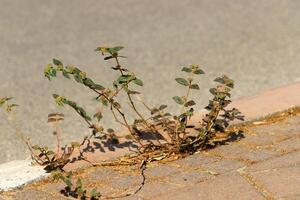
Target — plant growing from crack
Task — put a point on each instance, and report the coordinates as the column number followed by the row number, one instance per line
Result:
column 75, row 190
column 171, row 134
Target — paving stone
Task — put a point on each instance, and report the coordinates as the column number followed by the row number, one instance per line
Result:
column 294, row 197
column 133, row 197
column 289, row 145
column 242, row 153
column 295, row 120
column 284, row 182
column 194, row 161
column 262, row 139
column 54, row 187
column 227, row 187
column 223, row 166
column 189, row 178
column 255, row 156
column 153, row 189
column 161, row 171
column 281, row 128
column 291, row 130
column 125, row 182
column 207, row 175
column 36, row 195
column 101, row 174
column 291, row 159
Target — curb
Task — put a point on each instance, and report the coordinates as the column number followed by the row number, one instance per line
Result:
column 17, row 173
column 269, row 102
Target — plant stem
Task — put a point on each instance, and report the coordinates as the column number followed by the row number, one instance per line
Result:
column 135, row 109
column 57, row 135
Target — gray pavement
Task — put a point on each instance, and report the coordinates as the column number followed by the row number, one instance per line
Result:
column 265, row 165
column 255, row 42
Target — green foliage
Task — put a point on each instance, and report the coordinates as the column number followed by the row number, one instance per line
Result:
column 112, row 51
column 193, row 69
column 75, row 190
column 182, row 81
column 60, row 100
column 170, row 132
column 178, row 99
column 51, row 160
column 217, row 119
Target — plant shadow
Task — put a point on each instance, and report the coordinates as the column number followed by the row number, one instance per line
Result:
column 233, row 136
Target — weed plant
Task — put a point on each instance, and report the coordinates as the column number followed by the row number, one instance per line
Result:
column 172, row 134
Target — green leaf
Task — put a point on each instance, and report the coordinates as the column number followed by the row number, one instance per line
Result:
column 110, row 130
column 225, row 80
column 124, row 78
column 79, row 183
column 49, row 71
column 182, row 81
column 190, row 103
column 99, row 49
column 178, row 100
column 35, row 147
column 57, row 62
column 186, row 69
column 118, row 48
column 114, row 50
column 182, row 117
column 82, row 112
column 68, row 182
column 49, row 153
column 199, row 71
column 162, row 107
column 98, row 87
column 190, row 112
column 104, row 102
column 167, row 114
column 5, row 99
column 219, row 80
column 213, row 91
column 75, row 144
column 95, row 193
column 154, row 110
column 88, row 82
column 65, row 74
column 60, row 100
column 78, row 78
column 195, row 87
column 138, row 82
column 98, row 115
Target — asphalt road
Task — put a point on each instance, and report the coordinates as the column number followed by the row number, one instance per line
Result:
column 255, row 42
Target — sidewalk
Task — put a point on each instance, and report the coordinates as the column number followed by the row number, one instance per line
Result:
column 263, row 165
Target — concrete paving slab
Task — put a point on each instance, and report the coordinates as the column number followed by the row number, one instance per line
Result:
column 290, row 159
column 18, row 173
column 229, row 186
column 282, row 183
